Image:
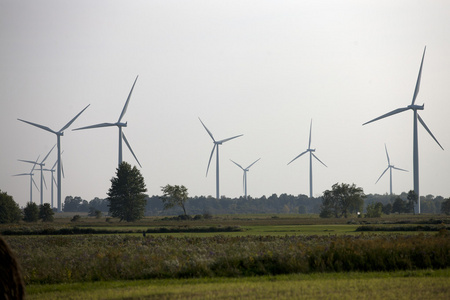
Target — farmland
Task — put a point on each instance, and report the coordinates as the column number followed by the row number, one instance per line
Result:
column 277, row 247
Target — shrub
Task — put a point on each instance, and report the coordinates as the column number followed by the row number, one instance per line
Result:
column 75, row 218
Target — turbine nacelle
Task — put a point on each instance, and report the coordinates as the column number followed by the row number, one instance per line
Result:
column 311, row 150
column 118, row 124
column 416, row 107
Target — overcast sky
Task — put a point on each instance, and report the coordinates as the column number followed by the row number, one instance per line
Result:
column 263, row 69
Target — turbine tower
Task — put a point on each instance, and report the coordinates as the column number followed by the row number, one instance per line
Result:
column 52, row 170
column 311, row 155
column 58, row 143
column 31, row 180
column 389, row 167
column 41, row 164
column 119, row 124
column 245, row 174
column 416, row 117
column 216, row 146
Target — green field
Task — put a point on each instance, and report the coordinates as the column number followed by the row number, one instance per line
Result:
column 273, row 256
column 426, row 284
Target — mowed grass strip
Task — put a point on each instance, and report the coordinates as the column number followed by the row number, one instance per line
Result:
column 426, row 284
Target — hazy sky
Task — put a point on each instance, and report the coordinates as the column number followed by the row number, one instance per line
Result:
column 263, row 69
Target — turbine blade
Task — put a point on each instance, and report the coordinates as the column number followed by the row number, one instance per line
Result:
column 253, row 163
column 34, row 183
column 129, row 147
column 28, row 161
column 96, row 126
column 45, row 183
column 73, row 120
column 62, row 169
column 34, row 166
column 310, row 129
column 243, row 182
column 395, row 111
column 382, row 175
column 209, row 132
column 298, row 156
column 226, row 140
column 39, row 126
column 237, row 164
column 124, row 110
column 400, row 169
column 22, row 174
column 210, row 157
column 319, row 160
column 48, row 154
column 429, row 131
column 389, row 161
column 54, row 180
column 416, row 90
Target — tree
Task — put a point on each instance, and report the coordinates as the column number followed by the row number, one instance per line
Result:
column 399, row 206
column 445, row 206
column 174, row 196
column 126, row 196
column 342, row 200
column 46, row 213
column 9, row 209
column 31, row 212
column 387, row 209
column 374, row 210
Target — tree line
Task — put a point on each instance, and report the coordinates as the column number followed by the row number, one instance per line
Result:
column 128, row 202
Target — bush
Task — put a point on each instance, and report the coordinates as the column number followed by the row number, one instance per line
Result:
column 31, row 212
column 46, row 213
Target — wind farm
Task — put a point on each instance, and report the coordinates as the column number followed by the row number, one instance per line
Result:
column 284, row 210
column 416, row 117
column 41, row 165
column 216, row 149
column 58, row 143
column 31, row 174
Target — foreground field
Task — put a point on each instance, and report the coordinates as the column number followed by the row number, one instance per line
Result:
column 282, row 257
column 426, row 284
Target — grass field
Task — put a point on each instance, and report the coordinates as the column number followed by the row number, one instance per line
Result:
column 427, row 284
column 211, row 265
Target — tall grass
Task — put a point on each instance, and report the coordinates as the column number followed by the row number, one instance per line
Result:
column 54, row 259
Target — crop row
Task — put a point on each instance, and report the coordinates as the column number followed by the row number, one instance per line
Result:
column 52, row 259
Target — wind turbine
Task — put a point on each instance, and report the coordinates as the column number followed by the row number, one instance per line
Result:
column 52, row 170
column 416, row 117
column 311, row 155
column 216, row 146
column 41, row 164
column 389, row 167
column 31, row 180
column 119, row 125
column 58, row 143
column 245, row 174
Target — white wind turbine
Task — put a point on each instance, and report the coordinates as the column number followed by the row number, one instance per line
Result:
column 31, row 180
column 216, row 146
column 119, row 125
column 389, row 167
column 41, row 164
column 245, row 174
column 311, row 154
column 416, row 117
column 58, row 143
